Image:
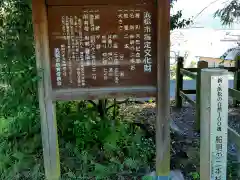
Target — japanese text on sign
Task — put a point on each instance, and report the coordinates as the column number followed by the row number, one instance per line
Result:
column 90, row 52
column 219, row 113
column 147, row 42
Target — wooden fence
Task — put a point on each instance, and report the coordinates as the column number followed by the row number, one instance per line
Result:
column 195, row 73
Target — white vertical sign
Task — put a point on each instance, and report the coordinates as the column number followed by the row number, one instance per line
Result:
column 219, row 127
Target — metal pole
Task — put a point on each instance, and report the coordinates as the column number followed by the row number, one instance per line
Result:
column 163, row 97
column 214, row 124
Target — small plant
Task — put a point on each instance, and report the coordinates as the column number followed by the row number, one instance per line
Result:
column 195, row 175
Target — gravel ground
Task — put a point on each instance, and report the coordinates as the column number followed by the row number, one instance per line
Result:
column 182, row 120
column 184, row 138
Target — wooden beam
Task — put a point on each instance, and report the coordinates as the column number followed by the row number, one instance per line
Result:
column 47, row 109
column 163, row 96
column 188, row 73
column 189, row 91
column 188, row 99
column 231, row 69
column 235, row 94
column 191, row 69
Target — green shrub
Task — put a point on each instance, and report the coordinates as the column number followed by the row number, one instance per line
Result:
column 103, row 149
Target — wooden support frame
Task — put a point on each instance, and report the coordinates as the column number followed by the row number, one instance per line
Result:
column 188, row 73
column 233, row 136
column 47, row 108
column 179, row 82
column 189, row 91
column 48, row 120
column 237, row 79
column 234, row 93
column 191, row 69
column 201, row 65
column 231, row 69
column 187, row 98
column 163, row 97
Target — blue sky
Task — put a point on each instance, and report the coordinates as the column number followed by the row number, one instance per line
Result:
column 191, row 8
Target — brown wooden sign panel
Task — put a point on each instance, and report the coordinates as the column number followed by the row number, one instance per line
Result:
column 96, row 2
column 102, row 46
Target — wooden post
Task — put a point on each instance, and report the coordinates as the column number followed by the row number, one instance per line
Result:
column 214, row 124
column 200, row 65
column 47, row 109
column 163, row 97
column 179, row 82
column 237, row 78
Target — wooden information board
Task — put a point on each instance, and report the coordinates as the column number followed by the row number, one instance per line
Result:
column 102, row 46
column 89, row 49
